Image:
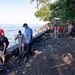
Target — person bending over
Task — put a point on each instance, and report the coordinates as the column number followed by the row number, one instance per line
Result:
column 4, row 44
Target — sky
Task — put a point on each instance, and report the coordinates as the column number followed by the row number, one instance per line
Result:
column 18, row 12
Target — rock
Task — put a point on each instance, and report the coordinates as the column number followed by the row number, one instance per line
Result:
column 30, row 60
column 23, row 72
column 27, row 65
column 68, row 45
column 8, row 70
column 44, row 57
column 17, row 71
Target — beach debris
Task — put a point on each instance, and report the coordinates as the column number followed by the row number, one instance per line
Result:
column 31, row 60
column 23, row 72
column 8, row 70
column 37, row 52
column 68, row 45
column 44, row 57
column 67, row 59
column 27, row 65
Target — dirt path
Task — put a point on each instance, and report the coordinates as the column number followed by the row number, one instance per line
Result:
column 49, row 54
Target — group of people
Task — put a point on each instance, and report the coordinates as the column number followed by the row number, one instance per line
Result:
column 59, row 30
column 24, row 42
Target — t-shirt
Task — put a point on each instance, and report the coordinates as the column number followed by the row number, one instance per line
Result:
column 4, row 39
column 1, row 32
column 1, row 46
column 62, row 27
column 28, row 33
column 20, row 38
column 59, row 28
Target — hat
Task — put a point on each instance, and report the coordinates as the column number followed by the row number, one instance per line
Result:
column 25, row 24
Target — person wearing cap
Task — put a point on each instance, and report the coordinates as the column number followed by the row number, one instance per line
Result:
column 1, row 32
column 28, row 38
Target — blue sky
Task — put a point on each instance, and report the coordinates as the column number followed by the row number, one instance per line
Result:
column 17, row 12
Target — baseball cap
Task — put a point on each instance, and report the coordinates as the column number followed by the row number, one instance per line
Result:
column 25, row 24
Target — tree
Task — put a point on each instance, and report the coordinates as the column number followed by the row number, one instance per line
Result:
column 40, row 2
column 44, row 13
column 64, row 9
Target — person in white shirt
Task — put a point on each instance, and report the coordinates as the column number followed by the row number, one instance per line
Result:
column 20, row 38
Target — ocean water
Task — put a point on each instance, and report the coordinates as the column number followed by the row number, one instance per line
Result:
column 11, row 30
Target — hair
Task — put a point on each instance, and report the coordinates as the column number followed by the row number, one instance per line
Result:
column 19, row 32
column 25, row 24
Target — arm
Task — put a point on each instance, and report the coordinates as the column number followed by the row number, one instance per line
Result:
column 4, row 47
column 23, row 38
column 16, row 37
column 29, row 39
column 30, row 36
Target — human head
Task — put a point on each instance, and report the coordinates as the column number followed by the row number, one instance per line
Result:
column 19, row 32
column 25, row 25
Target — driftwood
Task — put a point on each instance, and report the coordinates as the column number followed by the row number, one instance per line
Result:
column 67, row 59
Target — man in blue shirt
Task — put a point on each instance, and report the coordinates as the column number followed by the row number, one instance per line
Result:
column 28, row 38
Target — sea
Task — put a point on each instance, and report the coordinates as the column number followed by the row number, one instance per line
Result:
column 11, row 30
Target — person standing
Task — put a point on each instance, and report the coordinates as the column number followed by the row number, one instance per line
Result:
column 70, row 27
column 62, row 30
column 3, row 45
column 58, row 31
column 28, row 38
column 20, row 38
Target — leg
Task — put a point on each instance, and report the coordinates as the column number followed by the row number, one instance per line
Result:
column 20, row 51
column 29, row 52
column 3, row 59
column 23, row 47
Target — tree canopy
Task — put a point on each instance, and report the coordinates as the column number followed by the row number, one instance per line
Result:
column 43, row 13
column 64, row 9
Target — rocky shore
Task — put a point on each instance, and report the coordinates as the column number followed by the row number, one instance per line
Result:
column 48, row 53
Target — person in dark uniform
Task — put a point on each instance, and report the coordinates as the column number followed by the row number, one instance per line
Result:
column 4, row 44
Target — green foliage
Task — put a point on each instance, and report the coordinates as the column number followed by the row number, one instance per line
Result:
column 64, row 9
column 40, row 2
column 43, row 13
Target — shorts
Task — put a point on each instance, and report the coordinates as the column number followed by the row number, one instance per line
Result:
column 1, row 53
